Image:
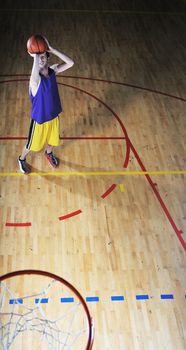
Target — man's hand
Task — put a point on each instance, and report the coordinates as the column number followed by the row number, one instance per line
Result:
column 32, row 54
column 49, row 47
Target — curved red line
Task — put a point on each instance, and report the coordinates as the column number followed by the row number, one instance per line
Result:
column 130, row 146
column 125, row 84
column 126, row 161
column 19, row 224
column 70, row 215
column 110, row 189
column 68, row 285
column 104, row 81
column 115, row 115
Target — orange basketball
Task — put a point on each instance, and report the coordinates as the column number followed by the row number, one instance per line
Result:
column 37, row 44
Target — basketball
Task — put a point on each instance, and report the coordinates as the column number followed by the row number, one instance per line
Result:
column 37, row 44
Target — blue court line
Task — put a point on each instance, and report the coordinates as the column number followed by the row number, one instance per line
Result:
column 117, row 298
column 16, row 301
column 67, row 300
column 41, row 301
column 142, row 297
column 167, row 296
column 92, row 299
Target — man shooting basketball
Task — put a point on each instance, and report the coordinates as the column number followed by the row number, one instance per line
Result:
column 46, row 106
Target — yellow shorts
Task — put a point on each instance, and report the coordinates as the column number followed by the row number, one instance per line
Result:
column 41, row 134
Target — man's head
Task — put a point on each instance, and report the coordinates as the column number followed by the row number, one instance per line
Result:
column 43, row 60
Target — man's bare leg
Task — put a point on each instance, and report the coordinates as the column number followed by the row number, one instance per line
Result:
column 24, row 153
column 53, row 160
column 24, row 167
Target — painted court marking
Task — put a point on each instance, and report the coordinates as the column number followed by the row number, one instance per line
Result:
column 41, row 301
column 142, row 297
column 110, row 189
column 67, row 300
column 129, row 145
column 117, row 298
column 70, row 215
column 98, row 173
column 68, row 138
column 18, row 224
column 167, row 296
column 95, row 299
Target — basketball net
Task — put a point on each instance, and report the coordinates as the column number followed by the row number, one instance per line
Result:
column 53, row 318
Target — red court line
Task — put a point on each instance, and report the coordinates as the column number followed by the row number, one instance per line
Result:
column 104, row 81
column 125, row 84
column 93, row 138
column 70, row 215
column 18, row 224
column 110, row 189
column 12, row 80
column 103, row 103
column 70, row 138
column 158, row 196
column 130, row 146
column 13, row 138
column 126, row 161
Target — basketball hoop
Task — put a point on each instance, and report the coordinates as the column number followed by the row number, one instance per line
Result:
column 42, row 311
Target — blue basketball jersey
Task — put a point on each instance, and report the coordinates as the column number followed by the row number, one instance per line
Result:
column 46, row 103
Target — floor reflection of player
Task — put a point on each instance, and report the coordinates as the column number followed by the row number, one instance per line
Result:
column 46, row 106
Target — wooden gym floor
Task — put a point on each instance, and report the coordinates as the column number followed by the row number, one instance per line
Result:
column 123, row 111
